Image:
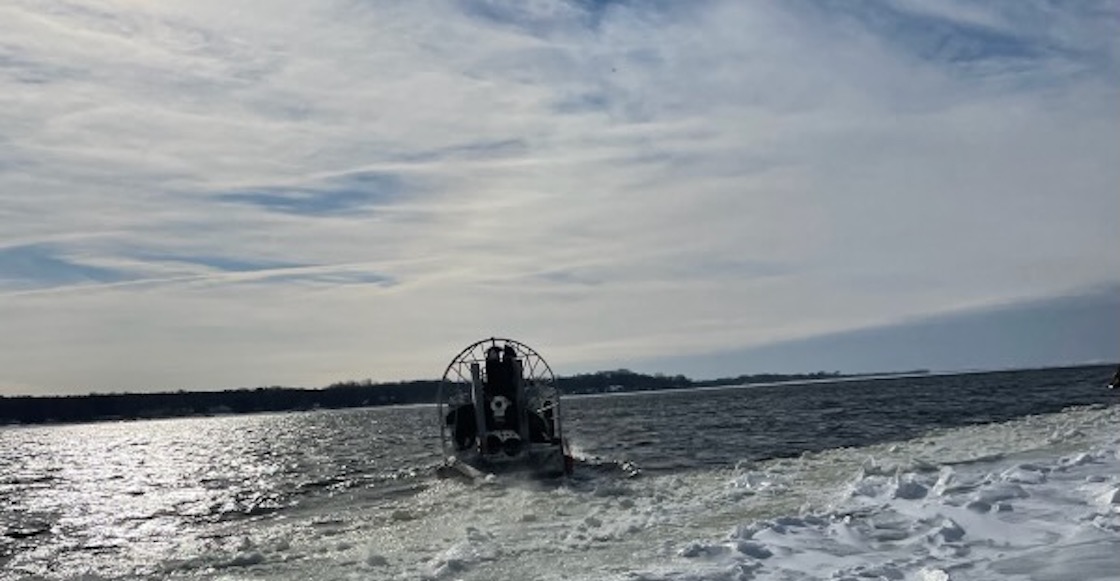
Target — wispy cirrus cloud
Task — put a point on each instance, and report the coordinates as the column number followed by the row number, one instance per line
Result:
column 612, row 179
column 217, row 263
column 350, row 195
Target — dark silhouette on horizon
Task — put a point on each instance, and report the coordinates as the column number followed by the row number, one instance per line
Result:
column 348, row 394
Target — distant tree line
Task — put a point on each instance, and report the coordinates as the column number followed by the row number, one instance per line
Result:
column 349, row 394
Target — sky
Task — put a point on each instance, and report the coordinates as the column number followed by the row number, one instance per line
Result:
column 214, row 194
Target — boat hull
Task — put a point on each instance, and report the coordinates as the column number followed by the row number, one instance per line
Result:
column 538, row 461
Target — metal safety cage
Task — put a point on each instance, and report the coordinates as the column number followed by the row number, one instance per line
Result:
column 539, row 384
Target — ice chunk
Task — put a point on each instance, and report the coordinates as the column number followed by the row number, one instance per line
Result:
column 754, row 550
column 949, row 531
column 1077, row 460
column 1023, row 476
column 246, row 559
column 949, row 483
column 887, row 571
column 979, row 506
column 908, row 488
column 698, row 549
column 748, row 530
column 401, row 515
column 869, row 486
column 758, row 482
column 932, row 575
column 1002, row 491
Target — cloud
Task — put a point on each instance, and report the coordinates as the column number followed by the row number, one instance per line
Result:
column 220, row 263
column 939, row 37
column 1038, row 333
column 303, row 185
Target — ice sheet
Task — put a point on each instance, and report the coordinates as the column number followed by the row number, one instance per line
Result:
column 1033, row 499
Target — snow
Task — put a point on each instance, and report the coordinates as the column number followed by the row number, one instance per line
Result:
column 1001, row 516
column 1035, row 499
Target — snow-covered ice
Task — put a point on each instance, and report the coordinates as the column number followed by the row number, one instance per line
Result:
column 1032, row 499
column 1035, row 499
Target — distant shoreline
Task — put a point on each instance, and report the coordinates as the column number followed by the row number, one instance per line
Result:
column 96, row 407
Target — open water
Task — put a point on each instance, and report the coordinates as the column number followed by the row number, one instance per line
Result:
column 352, row 494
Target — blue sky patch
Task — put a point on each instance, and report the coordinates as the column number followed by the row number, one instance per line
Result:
column 522, row 16
column 222, row 263
column 45, row 265
column 582, row 103
column 474, row 150
column 568, row 277
column 931, row 37
column 351, row 193
column 334, row 278
column 24, row 69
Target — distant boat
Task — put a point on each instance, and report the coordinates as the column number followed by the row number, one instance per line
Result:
column 499, row 411
column 1115, row 383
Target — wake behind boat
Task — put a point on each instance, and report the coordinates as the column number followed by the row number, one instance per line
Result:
column 499, row 411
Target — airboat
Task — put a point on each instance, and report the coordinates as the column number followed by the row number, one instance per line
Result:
column 499, row 411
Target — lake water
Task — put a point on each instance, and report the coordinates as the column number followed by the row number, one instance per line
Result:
column 352, row 494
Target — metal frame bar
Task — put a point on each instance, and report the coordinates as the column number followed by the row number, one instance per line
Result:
column 536, row 375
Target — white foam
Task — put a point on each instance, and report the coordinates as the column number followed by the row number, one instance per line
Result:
column 1034, row 499
column 1052, row 517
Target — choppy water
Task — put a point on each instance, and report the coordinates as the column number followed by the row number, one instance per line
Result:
column 232, row 496
column 683, row 430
